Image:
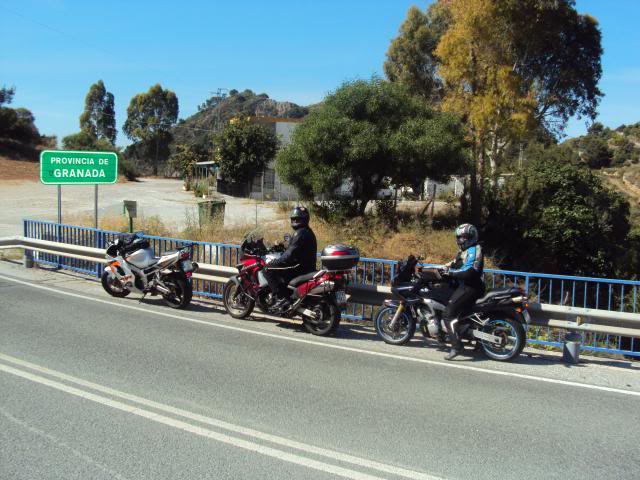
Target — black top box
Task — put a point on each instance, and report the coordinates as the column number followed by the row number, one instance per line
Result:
column 339, row 257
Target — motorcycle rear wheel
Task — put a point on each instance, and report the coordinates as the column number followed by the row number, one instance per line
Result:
column 326, row 322
column 181, row 291
column 514, row 338
column 237, row 304
column 113, row 286
column 404, row 331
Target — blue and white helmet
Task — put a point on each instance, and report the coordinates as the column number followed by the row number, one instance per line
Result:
column 466, row 236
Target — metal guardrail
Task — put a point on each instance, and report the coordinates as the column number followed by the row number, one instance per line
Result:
column 373, row 277
column 543, row 315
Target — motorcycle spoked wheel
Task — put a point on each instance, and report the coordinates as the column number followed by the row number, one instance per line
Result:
column 113, row 286
column 181, row 291
column 236, row 303
column 512, row 334
column 404, row 329
column 327, row 319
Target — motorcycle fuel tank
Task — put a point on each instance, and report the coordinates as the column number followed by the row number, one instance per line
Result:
column 141, row 258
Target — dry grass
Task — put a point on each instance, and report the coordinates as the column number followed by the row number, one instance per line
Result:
column 369, row 235
column 11, row 254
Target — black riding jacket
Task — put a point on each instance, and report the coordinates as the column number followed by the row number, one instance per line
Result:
column 301, row 252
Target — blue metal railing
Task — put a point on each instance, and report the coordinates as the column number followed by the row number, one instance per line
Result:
column 586, row 292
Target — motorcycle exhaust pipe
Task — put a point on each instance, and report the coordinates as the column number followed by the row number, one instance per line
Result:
column 162, row 289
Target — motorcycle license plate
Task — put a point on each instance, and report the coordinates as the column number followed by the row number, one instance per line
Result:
column 341, row 297
column 187, row 266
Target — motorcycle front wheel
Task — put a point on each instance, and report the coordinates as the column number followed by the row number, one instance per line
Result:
column 181, row 292
column 403, row 330
column 512, row 338
column 326, row 321
column 236, row 303
column 113, row 286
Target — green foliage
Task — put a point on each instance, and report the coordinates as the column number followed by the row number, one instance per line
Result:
column 6, row 95
column 99, row 113
column 594, row 152
column 128, row 168
column 184, row 158
column 369, row 134
column 150, row 117
column 410, row 57
column 625, row 151
column 16, row 124
column 84, row 140
column 244, row 148
column 557, row 218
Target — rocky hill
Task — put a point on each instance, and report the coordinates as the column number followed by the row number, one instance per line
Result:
column 216, row 111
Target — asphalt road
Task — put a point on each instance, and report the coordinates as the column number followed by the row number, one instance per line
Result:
column 94, row 387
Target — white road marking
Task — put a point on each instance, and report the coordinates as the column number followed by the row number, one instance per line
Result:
column 217, row 436
column 332, row 454
column 522, row 376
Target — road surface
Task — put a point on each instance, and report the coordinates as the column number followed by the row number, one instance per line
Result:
column 102, row 388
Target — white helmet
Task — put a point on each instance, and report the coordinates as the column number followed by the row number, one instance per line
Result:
column 466, row 236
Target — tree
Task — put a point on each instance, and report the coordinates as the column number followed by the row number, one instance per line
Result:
column 368, row 134
column 410, row 57
column 594, row 151
column 150, row 117
column 16, row 123
column 557, row 217
column 6, row 95
column 99, row 117
column 84, row 140
column 244, row 148
column 511, row 66
column 185, row 157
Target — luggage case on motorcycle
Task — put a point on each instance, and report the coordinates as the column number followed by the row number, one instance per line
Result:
column 335, row 258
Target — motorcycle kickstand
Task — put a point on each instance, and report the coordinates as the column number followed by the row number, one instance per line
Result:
column 142, row 298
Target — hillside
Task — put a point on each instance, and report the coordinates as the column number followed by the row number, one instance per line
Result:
column 198, row 128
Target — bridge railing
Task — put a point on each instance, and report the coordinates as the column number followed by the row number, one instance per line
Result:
column 584, row 292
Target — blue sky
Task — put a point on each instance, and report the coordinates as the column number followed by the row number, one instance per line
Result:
column 297, row 50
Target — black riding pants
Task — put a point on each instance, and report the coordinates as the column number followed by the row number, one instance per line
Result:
column 279, row 276
column 462, row 299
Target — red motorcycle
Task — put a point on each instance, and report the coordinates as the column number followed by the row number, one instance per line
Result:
column 317, row 297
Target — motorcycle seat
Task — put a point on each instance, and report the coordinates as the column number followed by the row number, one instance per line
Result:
column 496, row 292
column 302, row 278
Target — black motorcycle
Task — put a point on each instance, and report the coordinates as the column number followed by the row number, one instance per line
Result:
column 497, row 323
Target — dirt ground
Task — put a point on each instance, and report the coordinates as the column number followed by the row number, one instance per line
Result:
column 17, row 170
column 23, row 196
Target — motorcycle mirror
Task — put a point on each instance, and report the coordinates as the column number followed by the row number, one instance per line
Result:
column 287, row 237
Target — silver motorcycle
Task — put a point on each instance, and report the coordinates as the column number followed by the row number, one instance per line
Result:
column 132, row 266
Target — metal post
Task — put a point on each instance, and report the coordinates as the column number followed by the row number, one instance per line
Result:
column 95, row 206
column 59, row 227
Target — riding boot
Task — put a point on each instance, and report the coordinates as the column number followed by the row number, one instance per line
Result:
column 456, row 345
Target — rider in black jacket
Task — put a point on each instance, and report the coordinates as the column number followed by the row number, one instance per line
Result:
column 298, row 259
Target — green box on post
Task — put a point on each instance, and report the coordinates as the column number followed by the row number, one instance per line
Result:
column 78, row 168
column 210, row 211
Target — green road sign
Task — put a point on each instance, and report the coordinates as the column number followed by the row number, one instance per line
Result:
column 78, row 168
